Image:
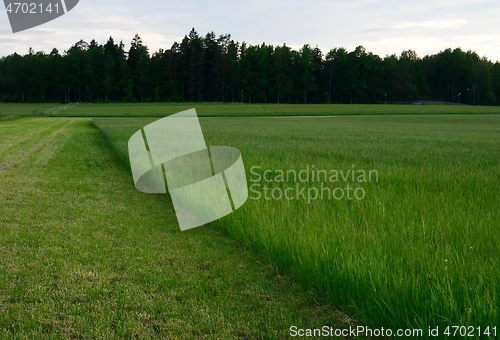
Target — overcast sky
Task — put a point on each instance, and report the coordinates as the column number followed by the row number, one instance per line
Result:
column 383, row 27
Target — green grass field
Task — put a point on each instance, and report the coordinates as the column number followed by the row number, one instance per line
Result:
column 419, row 250
column 83, row 254
column 231, row 110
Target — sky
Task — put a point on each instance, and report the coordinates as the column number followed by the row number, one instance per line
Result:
column 384, row 27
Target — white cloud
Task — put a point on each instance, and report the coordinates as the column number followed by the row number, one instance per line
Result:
column 433, row 24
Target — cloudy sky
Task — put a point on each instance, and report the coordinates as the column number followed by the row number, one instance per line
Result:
column 382, row 26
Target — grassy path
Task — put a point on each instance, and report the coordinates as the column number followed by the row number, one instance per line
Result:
column 85, row 255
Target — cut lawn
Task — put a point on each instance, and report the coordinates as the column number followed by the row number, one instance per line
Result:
column 420, row 250
column 83, row 254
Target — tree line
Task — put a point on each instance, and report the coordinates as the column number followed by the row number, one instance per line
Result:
column 219, row 69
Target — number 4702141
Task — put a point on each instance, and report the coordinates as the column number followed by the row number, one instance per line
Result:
column 31, row 8
column 470, row 331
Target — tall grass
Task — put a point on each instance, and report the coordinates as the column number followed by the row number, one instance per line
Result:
column 421, row 249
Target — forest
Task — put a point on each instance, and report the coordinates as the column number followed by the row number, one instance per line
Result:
column 219, row 69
